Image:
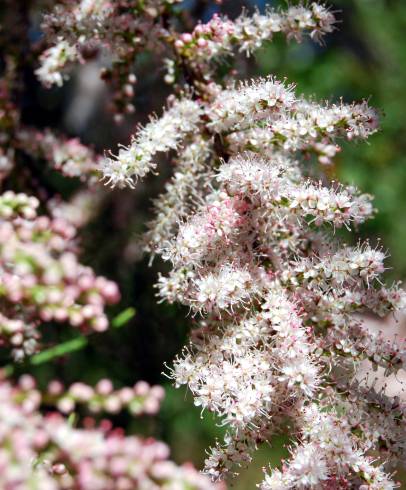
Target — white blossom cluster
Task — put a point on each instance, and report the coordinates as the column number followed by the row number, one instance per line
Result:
column 54, row 62
column 247, row 230
column 160, row 135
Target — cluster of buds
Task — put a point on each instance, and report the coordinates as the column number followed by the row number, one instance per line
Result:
column 138, row 400
column 47, row 452
column 246, row 232
column 41, row 277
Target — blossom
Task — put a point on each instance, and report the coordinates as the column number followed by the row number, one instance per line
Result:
column 273, row 184
column 181, row 193
column 247, row 33
column 54, row 60
column 160, row 135
column 241, row 107
column 308, row 127
column 201, row 236
column 223, row 290
column 77, row 32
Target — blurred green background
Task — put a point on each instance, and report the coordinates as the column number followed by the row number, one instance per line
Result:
column 364, row 58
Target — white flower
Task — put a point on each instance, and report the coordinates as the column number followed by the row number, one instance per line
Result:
column 53, row 61
column 160, row 135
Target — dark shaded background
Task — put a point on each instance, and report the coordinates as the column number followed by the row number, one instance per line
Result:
column 364, row 58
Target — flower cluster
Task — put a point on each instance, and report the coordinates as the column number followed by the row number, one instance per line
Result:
column 220, row 36
column 41, row 277
column 77, row 32
column 182, row 192
column 330, row 456
column 58, row 438
column 53, row 61
column 267, row 106
column 80, row 31
column 159, row 135
column 309, row 128
column 247, row 233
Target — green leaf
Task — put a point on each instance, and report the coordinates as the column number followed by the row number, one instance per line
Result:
column 72, row 419
column 59, row 350
column 72, row 345
column 122, row 318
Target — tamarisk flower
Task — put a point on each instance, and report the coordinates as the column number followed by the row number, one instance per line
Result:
column 181, row 194
column 349, row 266
column 79, row 31
column 247, row 230
column 309, row 128
column 253, row 256
column 273, row 184
column 123, row 29
column 250, row 102
column 328, row 456
column 202, row 235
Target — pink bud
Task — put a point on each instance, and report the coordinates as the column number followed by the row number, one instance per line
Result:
column 141, row 388
column 59, row 469
column 111, row 292
column 60, row 315
column 100, row 324
column 55, row 387
column 186, row 37
column 26, row 382
column 202, row 43
column 104, row 387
